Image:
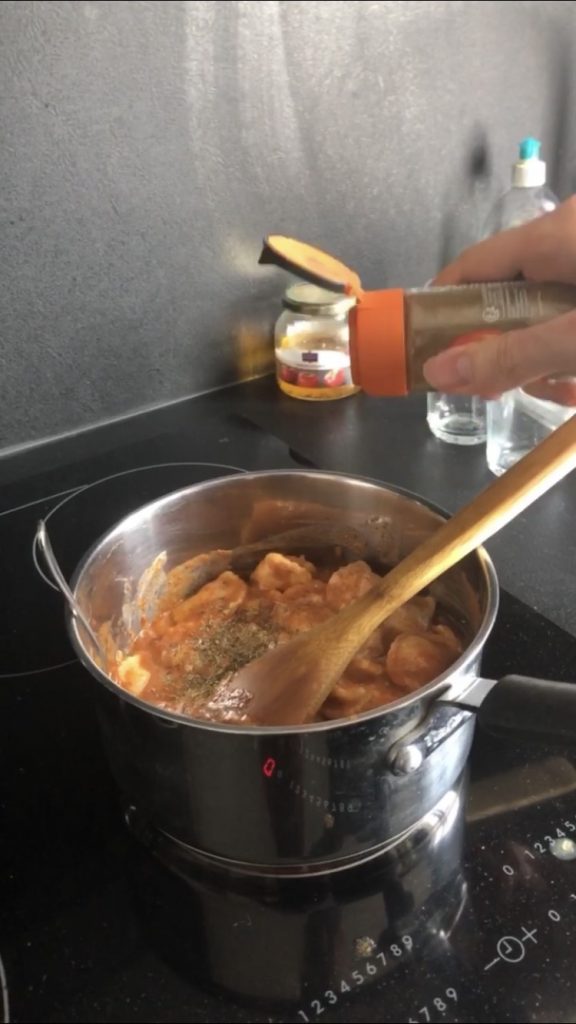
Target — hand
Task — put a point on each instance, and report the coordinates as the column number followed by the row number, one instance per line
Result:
column 541, row 250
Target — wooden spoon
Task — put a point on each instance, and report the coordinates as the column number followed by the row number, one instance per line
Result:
column 288, row 685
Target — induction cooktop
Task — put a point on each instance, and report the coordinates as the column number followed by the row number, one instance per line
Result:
column 473, row 919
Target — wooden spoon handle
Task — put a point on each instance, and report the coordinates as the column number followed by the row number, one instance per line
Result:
column 289, row 684
column 487, row 513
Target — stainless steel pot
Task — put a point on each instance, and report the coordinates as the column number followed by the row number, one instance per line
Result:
column 300, row 799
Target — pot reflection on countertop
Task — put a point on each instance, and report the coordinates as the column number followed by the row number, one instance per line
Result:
column 283, row 941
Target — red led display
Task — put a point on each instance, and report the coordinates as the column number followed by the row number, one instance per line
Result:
column 269, row 767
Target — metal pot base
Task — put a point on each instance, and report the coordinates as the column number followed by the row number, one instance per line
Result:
column 433, row 828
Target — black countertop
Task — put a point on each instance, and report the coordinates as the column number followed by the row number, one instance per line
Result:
column 91, row 928
column 385, row 438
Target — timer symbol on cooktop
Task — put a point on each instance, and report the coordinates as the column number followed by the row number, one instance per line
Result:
column 511, row 949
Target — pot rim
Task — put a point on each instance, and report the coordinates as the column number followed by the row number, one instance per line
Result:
column 438, row 685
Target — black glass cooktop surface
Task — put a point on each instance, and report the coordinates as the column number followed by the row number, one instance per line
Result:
column 472, row 920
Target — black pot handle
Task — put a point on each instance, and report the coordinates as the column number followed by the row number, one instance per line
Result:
column 521, row 705
column 512, row 706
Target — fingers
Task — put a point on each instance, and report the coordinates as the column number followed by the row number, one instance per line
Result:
column 500, row 363
column 496, row 259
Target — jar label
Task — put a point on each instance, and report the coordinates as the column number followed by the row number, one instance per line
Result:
column 315, row 359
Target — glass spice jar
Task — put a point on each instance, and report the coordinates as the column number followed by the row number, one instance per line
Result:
column 311, row 342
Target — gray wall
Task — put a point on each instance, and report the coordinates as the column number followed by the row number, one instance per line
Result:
column 147, row 147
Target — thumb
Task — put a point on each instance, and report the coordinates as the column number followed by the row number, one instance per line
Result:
column 500, row 363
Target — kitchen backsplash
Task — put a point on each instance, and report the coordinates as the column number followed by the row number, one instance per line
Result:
column 148, row 147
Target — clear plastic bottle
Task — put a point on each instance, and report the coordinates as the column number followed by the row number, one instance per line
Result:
column 529, row 196
column 516, row 422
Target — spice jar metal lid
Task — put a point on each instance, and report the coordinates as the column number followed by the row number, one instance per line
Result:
column 308, row 298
